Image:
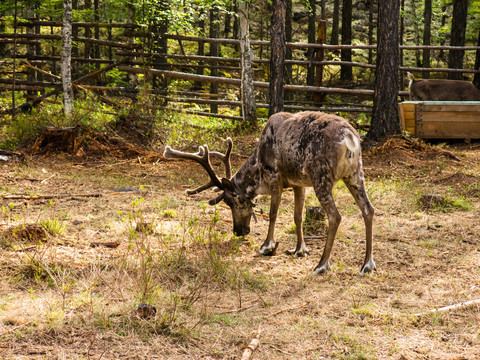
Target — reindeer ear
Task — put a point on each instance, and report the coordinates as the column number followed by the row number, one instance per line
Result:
column 228, row 185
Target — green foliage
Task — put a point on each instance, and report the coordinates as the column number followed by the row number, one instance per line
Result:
column 54, row 226
column 89, row 112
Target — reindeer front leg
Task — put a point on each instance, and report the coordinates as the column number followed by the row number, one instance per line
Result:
column 301, row 249
column 268, row 248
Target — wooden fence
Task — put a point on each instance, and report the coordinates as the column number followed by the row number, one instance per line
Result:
column 132, row 51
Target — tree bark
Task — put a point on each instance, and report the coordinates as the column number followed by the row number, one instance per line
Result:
column 371, row 26
column 416, row 31
column 277, row 58
column 335, row 22
column 346, row 73
column 31, row 49
column 249, row 108
column 96, row 18
column 88, row 32
column 402, row 36
column 228, row 20
column 385, row 119
column 235, row 22
column 197, row 85
column 312, row 35
column 427, row 18
column 288, row 38
column 67, row 57
column 2, row 45
column 214, row 51
column 459, row 25
column 476, row 77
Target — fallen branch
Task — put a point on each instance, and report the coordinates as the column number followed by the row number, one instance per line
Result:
column 51, row 196
column 247, row 353
column 59, row 196
column 288, row 309
column 108, row 244
column 461, row 305
column 238, row 310
column 45, row 180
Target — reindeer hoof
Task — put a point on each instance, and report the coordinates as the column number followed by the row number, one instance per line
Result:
column 368, row 267
column 299, row 253
column 321, row 269
column 268, row 250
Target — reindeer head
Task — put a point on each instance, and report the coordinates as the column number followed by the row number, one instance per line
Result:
column 232, row 194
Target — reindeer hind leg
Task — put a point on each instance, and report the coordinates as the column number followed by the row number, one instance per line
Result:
column 356, row 185
column 325, row 196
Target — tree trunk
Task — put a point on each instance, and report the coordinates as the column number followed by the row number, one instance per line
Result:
column 67, row 57
column 74, row 31
column 427, row 18
column 335, row 22
column 402, row 35
column 249, row 108
column 2, row 30
column 371, row 26
column 88, row 32
column 441, row 54
column 416, row 31
column 96, row 19
column 288, row 38
column 235, row 22
column 346, row 73
column 385, row 107
column 228, row 20
column 476, row 77
column 277, row 58
column 163, row 43
column 459, row 25
column 31, row 49
column 214, row 51
column 197, row 85
column 312, row 35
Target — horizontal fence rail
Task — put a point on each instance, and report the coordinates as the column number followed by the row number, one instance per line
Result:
column 129, row 51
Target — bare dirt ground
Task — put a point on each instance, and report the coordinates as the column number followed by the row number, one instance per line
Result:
column 121, row 232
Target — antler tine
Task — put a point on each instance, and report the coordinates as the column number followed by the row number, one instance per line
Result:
column 203, row 158
column 200, row 188
column 217, row 199
column 225, row 158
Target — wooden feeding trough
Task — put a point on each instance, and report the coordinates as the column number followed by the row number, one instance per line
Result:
column 441, row 119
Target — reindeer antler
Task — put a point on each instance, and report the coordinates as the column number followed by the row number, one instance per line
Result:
column 203, row 158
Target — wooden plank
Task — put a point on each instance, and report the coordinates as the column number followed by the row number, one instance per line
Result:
column 409, row 106
column 410, row 123
column 445, row 131
column 449, row 124
column 451, row 117
column 474, row 107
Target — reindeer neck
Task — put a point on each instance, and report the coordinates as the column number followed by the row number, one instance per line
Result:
column 249, row 177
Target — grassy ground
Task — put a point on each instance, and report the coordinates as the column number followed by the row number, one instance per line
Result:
column 61, row 298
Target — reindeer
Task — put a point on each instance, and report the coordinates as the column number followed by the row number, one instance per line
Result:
column 308, row 149
column 442, row 90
